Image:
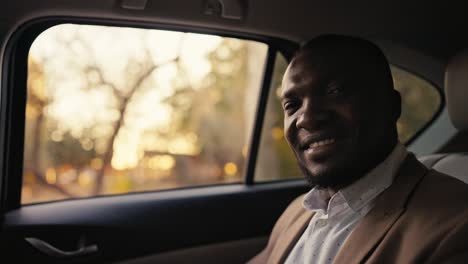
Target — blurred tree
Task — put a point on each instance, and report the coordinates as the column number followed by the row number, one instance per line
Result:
column 71, row 151
column 137, row 70
column 213, row 110
column 79, row 149
column 38, row 99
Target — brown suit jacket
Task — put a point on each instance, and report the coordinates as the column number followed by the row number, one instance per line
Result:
column 421, row 218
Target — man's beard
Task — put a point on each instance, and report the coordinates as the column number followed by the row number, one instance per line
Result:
column 337, row 178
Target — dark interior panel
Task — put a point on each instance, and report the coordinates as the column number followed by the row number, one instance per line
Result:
column 134, row 225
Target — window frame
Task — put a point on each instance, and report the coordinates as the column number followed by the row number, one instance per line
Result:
column 14, row 94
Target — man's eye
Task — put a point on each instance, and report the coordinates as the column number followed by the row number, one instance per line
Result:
column 334, row 89
column 290, row 106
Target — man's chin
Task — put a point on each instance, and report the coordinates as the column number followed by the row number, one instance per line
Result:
column 335, row 177
column 322, row 179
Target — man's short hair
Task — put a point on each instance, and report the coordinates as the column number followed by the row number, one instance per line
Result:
column 352, row 51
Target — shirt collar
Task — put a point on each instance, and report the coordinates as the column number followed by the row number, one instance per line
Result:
column 361, row 192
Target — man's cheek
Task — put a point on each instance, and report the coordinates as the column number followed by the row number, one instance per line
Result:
column 351, row 111
column 289, row 132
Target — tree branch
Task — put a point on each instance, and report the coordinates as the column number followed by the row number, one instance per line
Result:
column 108, row 154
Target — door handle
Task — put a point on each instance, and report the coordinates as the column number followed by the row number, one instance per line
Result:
column 52, row 251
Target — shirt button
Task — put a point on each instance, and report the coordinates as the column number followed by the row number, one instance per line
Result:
column 321, row 223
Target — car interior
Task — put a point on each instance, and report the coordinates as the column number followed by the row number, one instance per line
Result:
column 227, row 220
column 453, row 163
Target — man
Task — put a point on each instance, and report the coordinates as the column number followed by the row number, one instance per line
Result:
column 371, row 201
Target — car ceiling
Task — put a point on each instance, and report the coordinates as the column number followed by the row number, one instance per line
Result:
column 430, row 28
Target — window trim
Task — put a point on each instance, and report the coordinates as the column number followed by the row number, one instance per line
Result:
column 256, row 137
column 14, row 92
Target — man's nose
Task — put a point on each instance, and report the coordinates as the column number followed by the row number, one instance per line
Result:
column 312, row 115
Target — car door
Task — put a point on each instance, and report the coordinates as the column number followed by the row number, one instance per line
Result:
column 184, row 218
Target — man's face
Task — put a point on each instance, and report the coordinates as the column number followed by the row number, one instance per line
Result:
column 335, row 119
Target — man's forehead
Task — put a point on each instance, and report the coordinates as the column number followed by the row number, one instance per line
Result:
column 300, row 74
column 321, row 62
column 305, row 70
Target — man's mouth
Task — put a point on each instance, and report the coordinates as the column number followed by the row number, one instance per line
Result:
column 321, row 143
column 317, row 141
column 320, row 147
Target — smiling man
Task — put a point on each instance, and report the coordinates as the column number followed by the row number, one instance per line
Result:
column 371, row 201
column 340, row 110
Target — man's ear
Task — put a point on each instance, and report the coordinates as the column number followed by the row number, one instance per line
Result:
column 396, row 104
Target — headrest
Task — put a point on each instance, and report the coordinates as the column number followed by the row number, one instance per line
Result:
column 456, row 89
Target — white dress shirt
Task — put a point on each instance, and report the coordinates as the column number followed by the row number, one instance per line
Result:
column 334, row 220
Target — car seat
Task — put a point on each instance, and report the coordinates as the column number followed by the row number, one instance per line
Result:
column 456, row 93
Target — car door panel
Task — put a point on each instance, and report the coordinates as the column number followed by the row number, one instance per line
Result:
column 136, row 225
column 231, row 252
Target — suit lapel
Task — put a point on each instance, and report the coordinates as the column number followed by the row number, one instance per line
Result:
column 388, row 208
column 289, row 238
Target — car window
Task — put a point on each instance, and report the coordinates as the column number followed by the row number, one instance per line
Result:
column 420, row 103
column 115, row 110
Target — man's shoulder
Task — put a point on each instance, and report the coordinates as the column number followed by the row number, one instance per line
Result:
column 291, row 213
column 445, row 188
column 439, row 194
column 295, row 208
